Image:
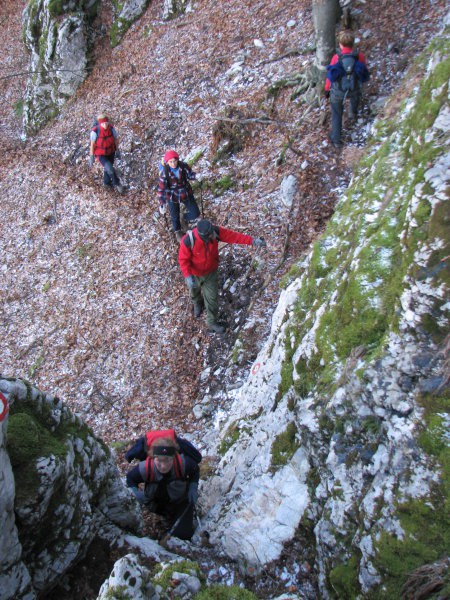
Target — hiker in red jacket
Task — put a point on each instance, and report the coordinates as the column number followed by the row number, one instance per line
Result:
column 346, row 73
column 199, row 259
column 104, row 146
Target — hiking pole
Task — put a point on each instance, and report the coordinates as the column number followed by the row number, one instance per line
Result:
column 201, row 197
column 178, row 521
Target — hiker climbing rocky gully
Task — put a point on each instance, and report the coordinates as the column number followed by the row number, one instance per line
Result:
column 95, row 308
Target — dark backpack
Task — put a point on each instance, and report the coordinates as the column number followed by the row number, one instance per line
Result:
column 348, row 80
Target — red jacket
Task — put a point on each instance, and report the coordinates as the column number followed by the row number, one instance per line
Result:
column 334, row 60
column 203, row 258
column 105, row 144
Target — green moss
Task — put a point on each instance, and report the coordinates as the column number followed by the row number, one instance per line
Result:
column 56, row 7
column 196, row 157
column 229, row 440
column 219, row 186
column 287, row 369
column 284, row 447
column 36, row 366
column 28, row 440
column 425, row 521
column 222, row 592
column 426, row 540
column 118, row 592
column 118, row 30
column 371, row 425
column 231, row 437
column 293, row 273
column 189, row 567
column 309, row 373
column 18, row 109
column 343, row 579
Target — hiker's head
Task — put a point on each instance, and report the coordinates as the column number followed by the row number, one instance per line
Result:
column 103, row 120
column 163, row 450
column 205, row 230
column 171, row 158
column 346, row 39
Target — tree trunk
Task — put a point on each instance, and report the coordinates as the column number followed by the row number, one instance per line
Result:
column 325, row 16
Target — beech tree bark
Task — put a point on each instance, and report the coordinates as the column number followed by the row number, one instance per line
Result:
column 325, row 16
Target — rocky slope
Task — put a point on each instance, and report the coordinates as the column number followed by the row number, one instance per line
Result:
column 94, row 299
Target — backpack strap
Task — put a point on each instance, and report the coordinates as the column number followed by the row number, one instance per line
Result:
column 166, row 175
column 149, row 470
column 189, row 239
column 179, row 466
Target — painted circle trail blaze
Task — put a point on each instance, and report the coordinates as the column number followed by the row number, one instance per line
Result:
column 3, row 407
column 256, row 368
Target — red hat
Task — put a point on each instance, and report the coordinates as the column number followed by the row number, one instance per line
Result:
column 170, row 154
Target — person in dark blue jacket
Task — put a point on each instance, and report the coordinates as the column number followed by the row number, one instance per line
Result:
column 346, row 73
column 170, row 482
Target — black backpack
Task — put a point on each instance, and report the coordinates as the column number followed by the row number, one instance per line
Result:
column 348, row 80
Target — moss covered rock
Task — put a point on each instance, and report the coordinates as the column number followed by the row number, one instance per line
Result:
column 65, row 485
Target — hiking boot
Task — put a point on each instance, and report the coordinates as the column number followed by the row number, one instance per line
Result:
column 198, row 309
column 179, row 235
column 216, row 328
column 119, row 188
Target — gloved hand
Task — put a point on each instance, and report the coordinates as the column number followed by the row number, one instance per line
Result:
column 327, row 94
column 162, row 208
column 191, row 282
column 118, row 155
column 193, row 493
column 259, row 243
column 91, row 160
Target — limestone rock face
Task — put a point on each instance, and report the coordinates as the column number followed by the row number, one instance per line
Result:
column 125, row 14
column 57, row 36
column 62, row 491
column 330, row 435
column 15, row 580
column 131, row 578
column 173, row 8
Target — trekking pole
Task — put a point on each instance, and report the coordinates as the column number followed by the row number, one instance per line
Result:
column 178, row 521
column 201, row 198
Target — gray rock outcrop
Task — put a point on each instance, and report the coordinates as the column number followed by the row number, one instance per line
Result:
column 125, row 14
column 57, row 36
column 174, row 8
column 339, row 433
column 63, row 490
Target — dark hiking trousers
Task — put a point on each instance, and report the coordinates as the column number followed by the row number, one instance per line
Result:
column 208, row 290
column 337, row 109
column 192, row 211
column 109, row 173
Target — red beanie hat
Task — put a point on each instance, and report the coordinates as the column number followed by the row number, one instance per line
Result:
column 170, row 154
